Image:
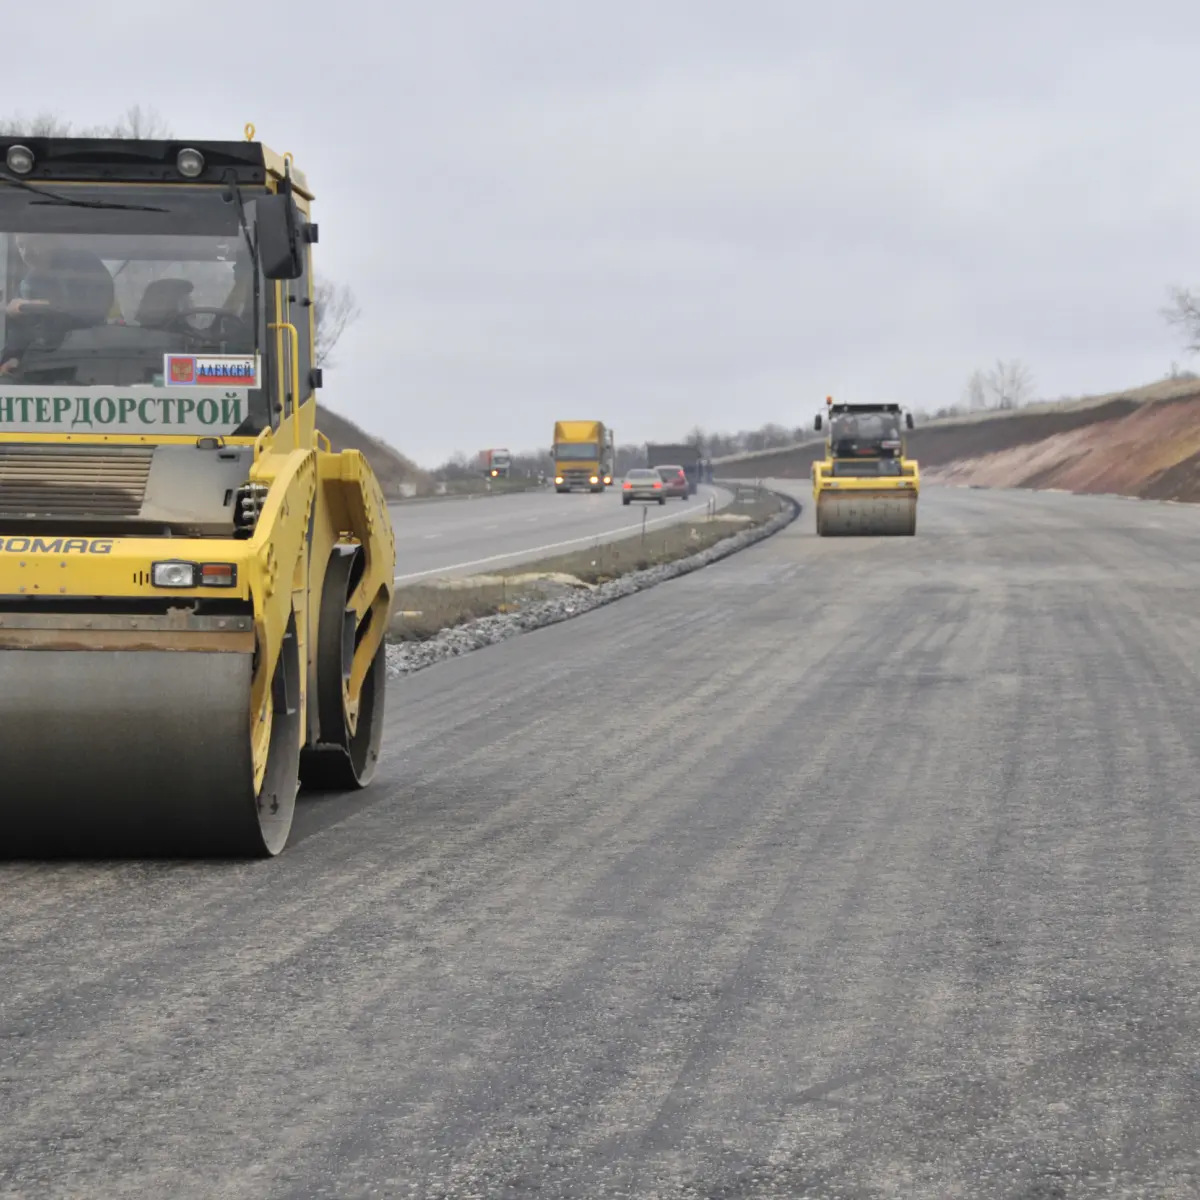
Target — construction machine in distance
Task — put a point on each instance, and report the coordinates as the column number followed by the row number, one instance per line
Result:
column 194, row 589
column 865, row 485
column 584, row 454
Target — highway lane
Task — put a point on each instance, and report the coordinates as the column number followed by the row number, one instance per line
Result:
column 873, row 870
column 453, row 538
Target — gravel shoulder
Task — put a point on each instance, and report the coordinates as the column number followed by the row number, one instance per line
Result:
column 444, row 618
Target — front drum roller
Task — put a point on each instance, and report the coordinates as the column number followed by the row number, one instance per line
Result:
column 347, row 749
column 144, row 753
column 874, row 514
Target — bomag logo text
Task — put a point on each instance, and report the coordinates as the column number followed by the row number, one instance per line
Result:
column 27, row 545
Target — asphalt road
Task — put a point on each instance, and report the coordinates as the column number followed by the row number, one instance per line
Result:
column 880, row 879
column 464, row 537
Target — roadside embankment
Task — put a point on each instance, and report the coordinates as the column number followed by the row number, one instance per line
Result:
column 397, row 474
column 1133, row 445
column 446, row 618
column 1144, row 442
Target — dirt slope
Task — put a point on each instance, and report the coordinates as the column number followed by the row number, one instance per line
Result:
column 1144, row 442
column 391, row 468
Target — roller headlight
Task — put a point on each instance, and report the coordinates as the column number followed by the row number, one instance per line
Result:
column 173, row 574
column 19, row 160
column 190, row 163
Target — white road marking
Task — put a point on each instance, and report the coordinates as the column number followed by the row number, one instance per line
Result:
column 430, row 536
column 631, row 528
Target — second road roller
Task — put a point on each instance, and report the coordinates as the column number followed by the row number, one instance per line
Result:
column 194, row 588
column 865, row 485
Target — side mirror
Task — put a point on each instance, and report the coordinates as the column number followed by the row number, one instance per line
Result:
column 817, row 422
column 277, row 223
column 908, row 420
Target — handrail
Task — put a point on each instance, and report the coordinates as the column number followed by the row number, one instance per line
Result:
column 280, row 326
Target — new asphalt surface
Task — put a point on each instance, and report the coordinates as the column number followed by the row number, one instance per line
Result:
column 844, row 868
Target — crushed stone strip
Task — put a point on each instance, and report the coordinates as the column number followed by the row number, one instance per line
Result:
column 403, row 658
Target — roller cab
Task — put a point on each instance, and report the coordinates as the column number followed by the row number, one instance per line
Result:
column 865, row 485
column 194, row 589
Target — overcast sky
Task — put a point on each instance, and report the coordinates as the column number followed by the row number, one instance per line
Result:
column 676, row 212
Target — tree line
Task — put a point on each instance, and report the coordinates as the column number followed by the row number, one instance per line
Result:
column 531, row 464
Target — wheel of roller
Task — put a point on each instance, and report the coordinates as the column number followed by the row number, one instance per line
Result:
column 347, row 750
column 275, row 803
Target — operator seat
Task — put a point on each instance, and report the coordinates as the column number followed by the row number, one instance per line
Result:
column 162, row 300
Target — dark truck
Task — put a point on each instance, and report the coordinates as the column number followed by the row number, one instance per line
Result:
column 687, row 457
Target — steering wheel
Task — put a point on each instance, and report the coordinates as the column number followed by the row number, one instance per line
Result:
column 224, row 326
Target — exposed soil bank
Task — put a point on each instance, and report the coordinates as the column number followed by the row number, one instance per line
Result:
column 1144, row 442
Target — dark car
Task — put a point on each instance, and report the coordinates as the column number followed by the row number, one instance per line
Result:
column 675, row 481
column 643, row 483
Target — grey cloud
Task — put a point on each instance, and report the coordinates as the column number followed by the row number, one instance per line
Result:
column 695, row 211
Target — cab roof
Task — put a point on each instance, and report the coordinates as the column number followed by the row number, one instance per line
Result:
column 136, row 160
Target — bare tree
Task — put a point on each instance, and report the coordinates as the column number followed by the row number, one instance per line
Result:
column 335, row 310
column 135, row 122
column 1010, row 384
column 1184, row 313
column 40, row 125
column 975, row 394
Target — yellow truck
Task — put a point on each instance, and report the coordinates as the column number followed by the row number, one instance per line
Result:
column 584, row 455
column 865, row 485
column 194, row 590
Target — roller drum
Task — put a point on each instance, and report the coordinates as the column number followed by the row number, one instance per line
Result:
column 872, row 514
column 137, row 752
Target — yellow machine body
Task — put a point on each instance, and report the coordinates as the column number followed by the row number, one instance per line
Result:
column 865, row 485
column 194, row 589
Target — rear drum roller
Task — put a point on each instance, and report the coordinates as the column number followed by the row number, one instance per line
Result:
column 347, row 751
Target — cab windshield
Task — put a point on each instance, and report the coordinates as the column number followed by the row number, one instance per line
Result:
column 584, row 450
column 155, row 291
column 865, row 433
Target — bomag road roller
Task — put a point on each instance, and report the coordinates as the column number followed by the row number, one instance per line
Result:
column 865, row 485
column 194, row 590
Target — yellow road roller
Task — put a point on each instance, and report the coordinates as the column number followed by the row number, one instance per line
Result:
column 194, row 589
column 865, row 485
